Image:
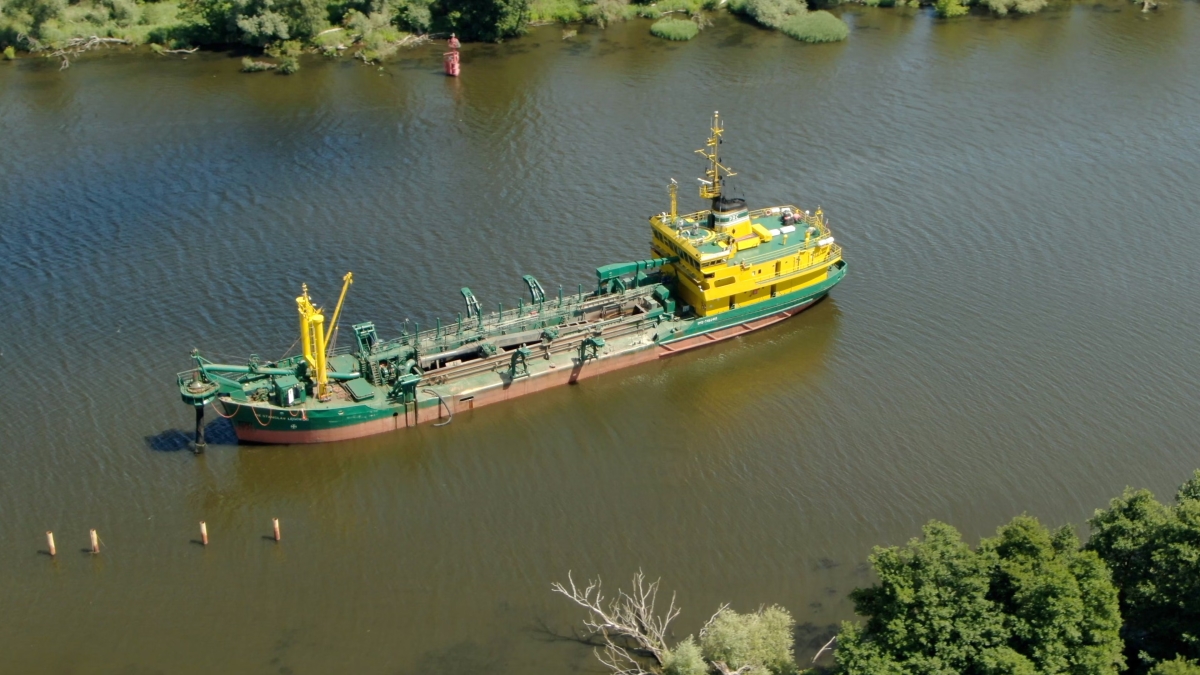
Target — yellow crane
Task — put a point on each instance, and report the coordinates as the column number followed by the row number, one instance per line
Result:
column 313, row 336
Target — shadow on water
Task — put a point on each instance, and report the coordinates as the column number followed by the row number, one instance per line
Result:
column 464, row 658
column 216, row 432
column 808, row 640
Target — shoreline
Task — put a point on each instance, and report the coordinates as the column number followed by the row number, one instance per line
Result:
column 374, row 39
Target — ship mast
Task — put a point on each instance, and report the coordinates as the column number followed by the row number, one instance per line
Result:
column 710, row 188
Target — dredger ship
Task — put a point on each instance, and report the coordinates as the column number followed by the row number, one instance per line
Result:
column 712, row 275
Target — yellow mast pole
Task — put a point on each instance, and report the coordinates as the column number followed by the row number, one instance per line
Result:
column 305, row 307
column 337, row 312
column 322, row 372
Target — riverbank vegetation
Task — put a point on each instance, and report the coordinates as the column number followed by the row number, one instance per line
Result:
column 1029, row 601
column 675, row 29
column 373, row 29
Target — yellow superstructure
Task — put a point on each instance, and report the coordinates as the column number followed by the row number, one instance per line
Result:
column 314, row 339
column 730, row 256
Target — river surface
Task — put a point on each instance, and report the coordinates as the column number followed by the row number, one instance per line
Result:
column 1017, row 331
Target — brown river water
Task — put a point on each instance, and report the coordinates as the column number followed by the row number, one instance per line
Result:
column 1017, row 332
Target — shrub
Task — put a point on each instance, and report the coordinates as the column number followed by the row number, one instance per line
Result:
column 685, row 659
column 819, row 26
column 289, row 65
column 1002, row 7
column 249, row 65
column 770, row 13
column 558, row 11
column 675, row 29
column 604, row 12
column 762, row 640
column 1176, row 666
column 948, row 9
column 124, row 12
column 9, row 53
column 285, row 48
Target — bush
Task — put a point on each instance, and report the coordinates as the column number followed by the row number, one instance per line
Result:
column 284, row 48
column 289, row 65
column 685, row 659
column 1002, row 7
column 557, row 11
column 249, row 65
column 675, row 29
column 948, row 9
column 9, row 53
column 819, row 26
column 604, row 12
column 762, row 640
column 770, row 13
column 1176, row 666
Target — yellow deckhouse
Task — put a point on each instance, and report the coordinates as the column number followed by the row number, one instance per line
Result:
column 730, row 257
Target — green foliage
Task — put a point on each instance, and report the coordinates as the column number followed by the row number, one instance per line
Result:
column 675, row 29
column 948, row 9
column 285, row 48
column 289, row 65
column 604, row 12
column 1154, row 553
column 761, row 640
column 487, row 20
column 48, row 24
column 1176, row 666
column 818, row 26
column 1003, row 7
column 10, row 53
column 770, row 13
column 685, row 659
column 1027, row 601
column 558, row 11
column 1059, row 604
column 249, row 65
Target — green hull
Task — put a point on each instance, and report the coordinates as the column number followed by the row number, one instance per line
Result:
column 437, row 401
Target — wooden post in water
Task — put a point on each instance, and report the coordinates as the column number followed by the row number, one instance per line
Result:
column 50, row 543
column 95, row 541
column 203, row 534
column 275, row 524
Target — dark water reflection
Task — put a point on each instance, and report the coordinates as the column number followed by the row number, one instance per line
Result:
column 1017, row 332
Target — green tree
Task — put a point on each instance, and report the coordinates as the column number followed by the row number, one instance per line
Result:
column 1059, row 603
column 761, row 641
column 948, row 9
column 488, row 20
column 1154, row 553
column 1027, row 601
column 1176, row 666
column 634, row 634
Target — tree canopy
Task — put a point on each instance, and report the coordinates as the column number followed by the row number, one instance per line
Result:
column 1154, row 552
column 1027, row 601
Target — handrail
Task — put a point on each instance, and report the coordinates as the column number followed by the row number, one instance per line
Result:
column 834, row 255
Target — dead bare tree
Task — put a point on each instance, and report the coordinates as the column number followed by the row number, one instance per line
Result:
column 629, row 623
column 78, row 45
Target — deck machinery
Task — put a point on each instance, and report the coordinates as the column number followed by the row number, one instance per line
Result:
column 712, row 275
